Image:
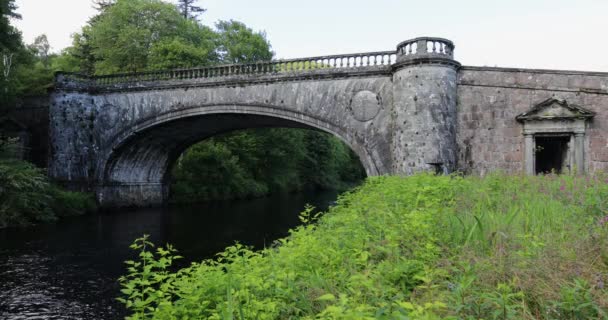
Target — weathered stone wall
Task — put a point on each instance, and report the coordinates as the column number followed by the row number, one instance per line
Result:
column 122, row 142
column 425, row 118
column 489, row 99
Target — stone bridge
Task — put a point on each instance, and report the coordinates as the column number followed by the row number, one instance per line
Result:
column 402, row 111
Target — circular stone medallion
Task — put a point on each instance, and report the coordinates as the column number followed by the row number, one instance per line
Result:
column 365, row 105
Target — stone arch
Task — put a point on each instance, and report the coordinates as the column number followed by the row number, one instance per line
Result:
column 134, row 170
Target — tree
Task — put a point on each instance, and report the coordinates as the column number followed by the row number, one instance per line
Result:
column 102, row 5
column 41, row 49
column 133, row 35
column 10, row 37
column 10, row 45
column 240, row 44
column 188, row 9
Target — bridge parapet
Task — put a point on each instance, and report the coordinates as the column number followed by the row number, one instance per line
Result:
column 425, row 47
column 287, row 67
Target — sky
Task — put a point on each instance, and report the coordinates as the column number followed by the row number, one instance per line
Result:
column 541, row 34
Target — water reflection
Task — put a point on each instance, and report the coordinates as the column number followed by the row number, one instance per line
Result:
column 69, row 270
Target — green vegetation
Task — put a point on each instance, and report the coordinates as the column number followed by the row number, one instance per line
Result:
column 421, row 247
column 27, row 197
column 257, row 162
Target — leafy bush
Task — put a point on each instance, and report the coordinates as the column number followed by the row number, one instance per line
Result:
column 71, row 203
column 24, row 196
column 420, row 247
column 27, row 197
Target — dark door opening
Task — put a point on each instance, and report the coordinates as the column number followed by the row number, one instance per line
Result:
column 552, row 154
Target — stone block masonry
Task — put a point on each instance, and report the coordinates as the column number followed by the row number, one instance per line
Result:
column 404, row 111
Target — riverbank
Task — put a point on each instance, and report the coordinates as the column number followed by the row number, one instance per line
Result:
column 27, row 197
column 421, row 247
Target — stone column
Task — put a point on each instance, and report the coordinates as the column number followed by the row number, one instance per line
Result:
column 529, row 149
column 579, row 151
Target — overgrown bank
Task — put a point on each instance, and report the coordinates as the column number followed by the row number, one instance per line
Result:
column 421, row 247
column 27, row 197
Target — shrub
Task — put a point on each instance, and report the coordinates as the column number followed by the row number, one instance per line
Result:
column 70, row 203
column 27, row 197
column 24, row 194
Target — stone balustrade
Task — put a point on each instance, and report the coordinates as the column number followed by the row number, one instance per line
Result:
column 345, row 61
column 425, row 47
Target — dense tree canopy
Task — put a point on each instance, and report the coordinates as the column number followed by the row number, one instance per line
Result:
column 256, row 162
column 135, row 35
column 138, row 35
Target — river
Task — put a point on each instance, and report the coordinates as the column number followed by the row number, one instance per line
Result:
column 69, row 270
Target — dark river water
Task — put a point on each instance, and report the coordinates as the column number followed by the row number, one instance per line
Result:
column 69, row 270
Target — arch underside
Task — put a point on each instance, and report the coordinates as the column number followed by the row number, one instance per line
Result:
column 137, row 170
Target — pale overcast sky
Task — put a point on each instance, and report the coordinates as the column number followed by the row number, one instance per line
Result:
column 549, row 34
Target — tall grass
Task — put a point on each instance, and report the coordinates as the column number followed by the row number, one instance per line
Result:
column 540, row 236
column 420, row 247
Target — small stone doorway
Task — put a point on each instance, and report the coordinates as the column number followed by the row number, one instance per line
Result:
column 554, row 137
column 552, row 154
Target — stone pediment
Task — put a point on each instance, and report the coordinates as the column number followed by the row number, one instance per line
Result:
column 557, row 109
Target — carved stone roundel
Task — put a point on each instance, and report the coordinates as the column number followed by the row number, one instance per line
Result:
column 365, row 105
